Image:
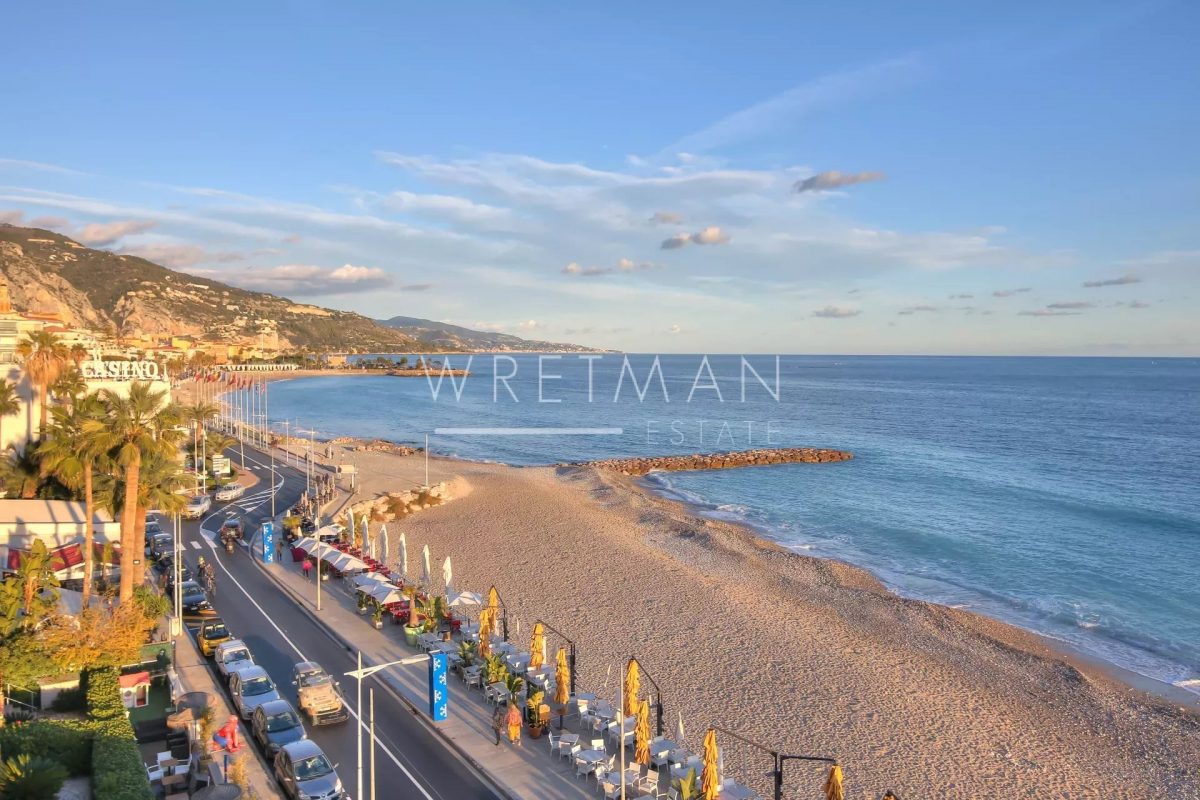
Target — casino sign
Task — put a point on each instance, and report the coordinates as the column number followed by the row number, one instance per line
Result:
column 121, row 370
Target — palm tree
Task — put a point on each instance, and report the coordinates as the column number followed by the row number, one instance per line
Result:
column 44, row 357
column 78, row 354
column 69, row 385
column 199, row 413
column 136, row 425
column 10, row 403
column 70, row 451
column 22, row 471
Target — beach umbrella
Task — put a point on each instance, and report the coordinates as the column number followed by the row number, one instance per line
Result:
column 466, row 599
column 366, row 532
column 353, row 541
column 403, row 556
column 537, row 647
column 679, row 730
column 641, row 735
column 833, row 784
column 447, row 574
column 485, row 633
column 562, row 678
column 632, row 684
column 383, row 544
column 425, row 565
column 710, row 782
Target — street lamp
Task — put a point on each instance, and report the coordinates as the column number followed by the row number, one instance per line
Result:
column 777, row 759
column 366, row 672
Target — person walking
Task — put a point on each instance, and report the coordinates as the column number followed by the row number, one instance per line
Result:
column 499, row 719
column 306, row 566
column 514, row 724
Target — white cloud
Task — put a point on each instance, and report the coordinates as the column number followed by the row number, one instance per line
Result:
column 710, row 235
column 36, row 166
column 1124, row 280
column 675, row 329
column 101, row 234
column 180, row 256
column 833, row 179
column 306, row 279
column 1011, row 292
column 836, row 312
column 12, row 217
column 666, row 218
column 623, row 265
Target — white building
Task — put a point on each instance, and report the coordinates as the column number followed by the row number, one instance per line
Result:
column 59, row 524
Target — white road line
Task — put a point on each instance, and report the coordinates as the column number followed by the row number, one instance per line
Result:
column 196, row 545
column 387, row 750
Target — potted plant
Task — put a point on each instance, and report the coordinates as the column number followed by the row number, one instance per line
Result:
column 688, row 786
column 412, row 630
column 533, row 714
column 497, row 670
column 377, row 616
column 363, row 602
column 466, row 651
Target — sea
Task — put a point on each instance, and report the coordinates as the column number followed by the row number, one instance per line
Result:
column 1058, row 494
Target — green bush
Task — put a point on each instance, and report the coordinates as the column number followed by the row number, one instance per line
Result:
column 69, row 740
column 117, row 769
column 26, row 777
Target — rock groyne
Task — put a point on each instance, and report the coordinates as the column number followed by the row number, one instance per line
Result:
column 738, row 458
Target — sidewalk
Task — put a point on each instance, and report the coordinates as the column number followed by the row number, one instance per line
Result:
column 194, row 676
column 527, row 772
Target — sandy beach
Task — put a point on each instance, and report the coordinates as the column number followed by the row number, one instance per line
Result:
column 801, row 654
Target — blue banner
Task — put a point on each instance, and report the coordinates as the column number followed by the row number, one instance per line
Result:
column 268, row 540
column 439, row 692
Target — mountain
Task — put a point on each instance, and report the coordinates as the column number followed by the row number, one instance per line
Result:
column 130, row 296
column 444, row 336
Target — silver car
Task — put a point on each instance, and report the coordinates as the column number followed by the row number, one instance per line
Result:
column 250, row 687
column 230, row 491
column 197, row 507
column 232, row 656
column 305, row 773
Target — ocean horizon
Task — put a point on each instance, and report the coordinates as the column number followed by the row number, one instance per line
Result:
column 1054, row 493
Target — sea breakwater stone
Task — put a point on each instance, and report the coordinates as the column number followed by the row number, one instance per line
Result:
column 743, row 458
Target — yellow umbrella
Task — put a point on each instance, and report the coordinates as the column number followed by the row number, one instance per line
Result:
column 485, row 633
column 710, row 782
column 632, row 684
column 833, row 784
column 641, row 735
column 494, row 603
column 562, row 678
column 537, row 647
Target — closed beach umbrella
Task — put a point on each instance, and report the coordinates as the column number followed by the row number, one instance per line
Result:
column 562, row 678
column 833, row 784
column 350, row 523
column 366, row 533
column 710, row 782
column 493, row 605
column 679, row 730
column 403, row 556
column 383, row 544
column 485, row 633
column 632, row 684
column 447, row 574
column 641, row 735
column 537, row 647
column 425, row 566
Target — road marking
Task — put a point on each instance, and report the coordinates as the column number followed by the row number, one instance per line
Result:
column 196, row 545
column 387, row 750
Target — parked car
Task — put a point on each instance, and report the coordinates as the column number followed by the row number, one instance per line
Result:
column 195, row 602
column 305, row 773
column 162, row 544
column 318, row 695
column 153, row 527
column 250, row 687
column 274, row 724
column 212, row 634
column 197, row 507
column 230, row 491
column 166, row 566
column 232, row 655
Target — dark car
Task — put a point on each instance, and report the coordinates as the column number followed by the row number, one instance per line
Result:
column 195, row 601
column 274, row 724
column 153, row 527
column 166, row 566
column 305, row 773
column 162, row 544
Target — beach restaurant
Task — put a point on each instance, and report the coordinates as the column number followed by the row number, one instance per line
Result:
column 59, row 524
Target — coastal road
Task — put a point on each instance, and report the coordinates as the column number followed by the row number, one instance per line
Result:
column 410, row 761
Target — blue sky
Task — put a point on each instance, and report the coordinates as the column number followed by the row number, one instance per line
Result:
column 664, row 177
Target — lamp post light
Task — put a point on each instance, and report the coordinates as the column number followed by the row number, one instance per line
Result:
column 366, row 672
column 778, row 759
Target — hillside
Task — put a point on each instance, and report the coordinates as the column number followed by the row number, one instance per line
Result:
column 127, row 295
column 444, row 336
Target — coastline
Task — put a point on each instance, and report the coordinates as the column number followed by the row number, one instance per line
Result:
column 804, row 653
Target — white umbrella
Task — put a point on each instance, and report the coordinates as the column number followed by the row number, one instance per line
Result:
column 403, row 555
column 466, row 599
column 366, row 532
column 425, row 566
column 351, row 516
column 383, row 543
column 678, row 730
column 447, row 574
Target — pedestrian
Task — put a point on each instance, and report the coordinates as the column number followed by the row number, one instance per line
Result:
column 499, row 719
column 514, row 724
column 306, row 566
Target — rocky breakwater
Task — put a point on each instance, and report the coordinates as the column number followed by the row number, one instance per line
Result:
column 740, row 458
column 392, row 506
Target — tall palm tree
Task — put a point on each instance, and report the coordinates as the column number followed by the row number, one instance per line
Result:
column 69, row 385
column 78, row 354
column 197, row 414
column 136, row 425
column 70, row 452
column 45, row 358
column 22, row 471
column 10, row 403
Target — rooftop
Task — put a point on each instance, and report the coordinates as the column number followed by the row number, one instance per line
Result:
column 59, row 512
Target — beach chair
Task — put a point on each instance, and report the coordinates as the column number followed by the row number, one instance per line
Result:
column 611, row 789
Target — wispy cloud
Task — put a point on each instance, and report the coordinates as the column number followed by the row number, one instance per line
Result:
column 710, row 235
column 181, row 256
column 836, row 312
column 1124, row 280
column 904, row 312
column 1045, row 312
column 666, row 218
column 102, row 234
column 623, row 265
column 1074, row 306
column 962, row 296
column 36, row 166
column 305, row 279
column 833, row 179
column 1011, row 292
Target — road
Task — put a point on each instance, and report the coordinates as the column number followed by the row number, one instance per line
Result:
column 410, row 761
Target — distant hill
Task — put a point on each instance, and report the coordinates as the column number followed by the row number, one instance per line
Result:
column 127, row 295
column 444, row 336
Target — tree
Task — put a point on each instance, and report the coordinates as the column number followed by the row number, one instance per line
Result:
column 70, row 452
column 22, row 471
column 69, row 385
column 45, row 358
column 158, row 488
column 10, row 403
column 136, row 424
column 197, row 414
column 109, row 636
column 78, row 354
column 31, row 594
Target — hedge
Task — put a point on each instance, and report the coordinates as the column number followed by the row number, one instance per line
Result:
column 117, row 769
column 69, row 742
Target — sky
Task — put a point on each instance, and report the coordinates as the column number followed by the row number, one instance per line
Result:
column 861, row 177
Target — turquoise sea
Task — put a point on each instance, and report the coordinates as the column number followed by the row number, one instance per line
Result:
column 1059, row 494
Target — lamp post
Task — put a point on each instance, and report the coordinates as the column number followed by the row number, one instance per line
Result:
column 777, row 759
column 570, row 650
column 359, row 674
column 177, row 589
column 504, row 615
